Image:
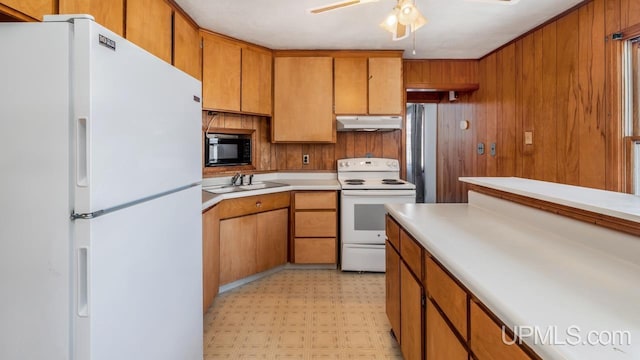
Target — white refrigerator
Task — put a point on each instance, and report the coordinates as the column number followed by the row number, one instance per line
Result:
column 100, row 198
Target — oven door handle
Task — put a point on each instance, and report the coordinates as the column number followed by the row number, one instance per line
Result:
column 393, row 193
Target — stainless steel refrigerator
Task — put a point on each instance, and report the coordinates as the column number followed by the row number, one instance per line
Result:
column 421, row 131
column 101, row 235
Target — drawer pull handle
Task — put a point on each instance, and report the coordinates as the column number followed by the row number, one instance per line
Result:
column 258, row 203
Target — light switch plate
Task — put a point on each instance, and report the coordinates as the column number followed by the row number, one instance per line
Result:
column 528, row 137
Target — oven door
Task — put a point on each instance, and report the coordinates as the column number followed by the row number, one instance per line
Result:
column 363, row 213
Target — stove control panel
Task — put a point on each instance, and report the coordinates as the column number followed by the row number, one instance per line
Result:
column 368, row 164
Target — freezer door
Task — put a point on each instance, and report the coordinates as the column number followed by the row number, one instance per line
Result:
column 136, row 119
column 138, row 281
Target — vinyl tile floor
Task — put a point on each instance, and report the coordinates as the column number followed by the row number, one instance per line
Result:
column 302, row 314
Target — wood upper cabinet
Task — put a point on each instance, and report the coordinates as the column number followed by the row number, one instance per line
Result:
column 34, row 9
column 303, row 100
column 210, row 256
column 149, row 26
column 187, row 54
column 368, row 85
column 350, row 85
column 256, row 81
column 108, row 13
column 236, row 77
column 385, row 86
column 220, row 73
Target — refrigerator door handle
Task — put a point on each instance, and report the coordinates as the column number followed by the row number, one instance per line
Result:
column 82, row 152
column 83, row 282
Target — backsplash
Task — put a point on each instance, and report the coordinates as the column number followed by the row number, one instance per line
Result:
column 283, row 157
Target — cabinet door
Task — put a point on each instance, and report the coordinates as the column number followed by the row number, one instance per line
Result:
column 440, row 341
column 410, row 314
column 272, row 239
column 350, row 84
column 220, row 73
column 303, row 99
column 256, row 81
column 186, row 46
column 392, row 277
column 149, row 26
column 108, row 13
column 33, row 8
column 210, row 256
column 486, row 338
column 385, row 86
column 237, row 248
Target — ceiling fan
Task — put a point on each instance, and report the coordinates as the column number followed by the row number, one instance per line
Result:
column 402, row 21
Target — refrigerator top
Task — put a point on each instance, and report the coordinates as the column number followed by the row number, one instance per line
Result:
column 66, row 17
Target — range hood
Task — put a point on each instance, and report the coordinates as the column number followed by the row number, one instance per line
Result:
column 369, row 123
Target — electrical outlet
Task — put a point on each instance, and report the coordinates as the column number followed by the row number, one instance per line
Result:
column 305, row 159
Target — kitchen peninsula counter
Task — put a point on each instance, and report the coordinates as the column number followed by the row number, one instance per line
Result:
column 535, row 268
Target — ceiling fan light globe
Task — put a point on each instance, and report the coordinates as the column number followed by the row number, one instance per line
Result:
column 407, row 14
column 418, row 23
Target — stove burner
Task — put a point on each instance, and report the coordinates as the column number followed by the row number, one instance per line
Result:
column 392, row 182
column 354, row 181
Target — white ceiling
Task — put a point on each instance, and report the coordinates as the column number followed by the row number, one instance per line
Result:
column 456, row 29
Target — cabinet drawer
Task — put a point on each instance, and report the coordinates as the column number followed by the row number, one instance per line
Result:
column 450, row 297
column 411, row 253
column 315, row 200
column 441, row 342
column 253, row 204
column 315, row 224
column 393, row 231
column 486, row 338
column 315, row 251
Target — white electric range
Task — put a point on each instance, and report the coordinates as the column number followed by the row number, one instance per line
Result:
column 367, row 184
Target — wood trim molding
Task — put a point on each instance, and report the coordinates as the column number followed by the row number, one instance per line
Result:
column 628, row 162
column 441, row 87
column 607, row 221
column 338, row 53
column 15, row 14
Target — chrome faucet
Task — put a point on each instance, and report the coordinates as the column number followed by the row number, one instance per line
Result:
column 242, row 179
column 250, row 179
column 235, row 178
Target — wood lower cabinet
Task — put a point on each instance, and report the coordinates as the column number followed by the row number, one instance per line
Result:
column 440, row 341
column 25, row 9
column 303, row 100
column 486, row 338
column 272, row 234
column 210, row 256
column 149, row 25
column 437, row 314
column 238, row 245
column 392, row 289
column 108, row 13
column 253, row 243
column 410, row 314
column 315, row 227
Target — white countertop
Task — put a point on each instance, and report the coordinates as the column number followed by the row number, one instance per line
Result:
column 535, row 268
column 620, row 205
column 293, row 181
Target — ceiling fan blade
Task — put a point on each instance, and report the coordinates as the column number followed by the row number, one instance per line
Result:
column 339, row 5
column 402, row 31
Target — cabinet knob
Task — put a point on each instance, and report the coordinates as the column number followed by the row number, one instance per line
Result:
column 258, row 203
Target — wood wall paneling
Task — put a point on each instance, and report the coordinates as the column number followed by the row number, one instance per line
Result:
column 507, row 138
column 546, row 123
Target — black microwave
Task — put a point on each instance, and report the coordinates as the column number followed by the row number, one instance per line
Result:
column 227, row 149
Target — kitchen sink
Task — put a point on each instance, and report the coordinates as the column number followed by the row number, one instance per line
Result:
column 223, row 189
